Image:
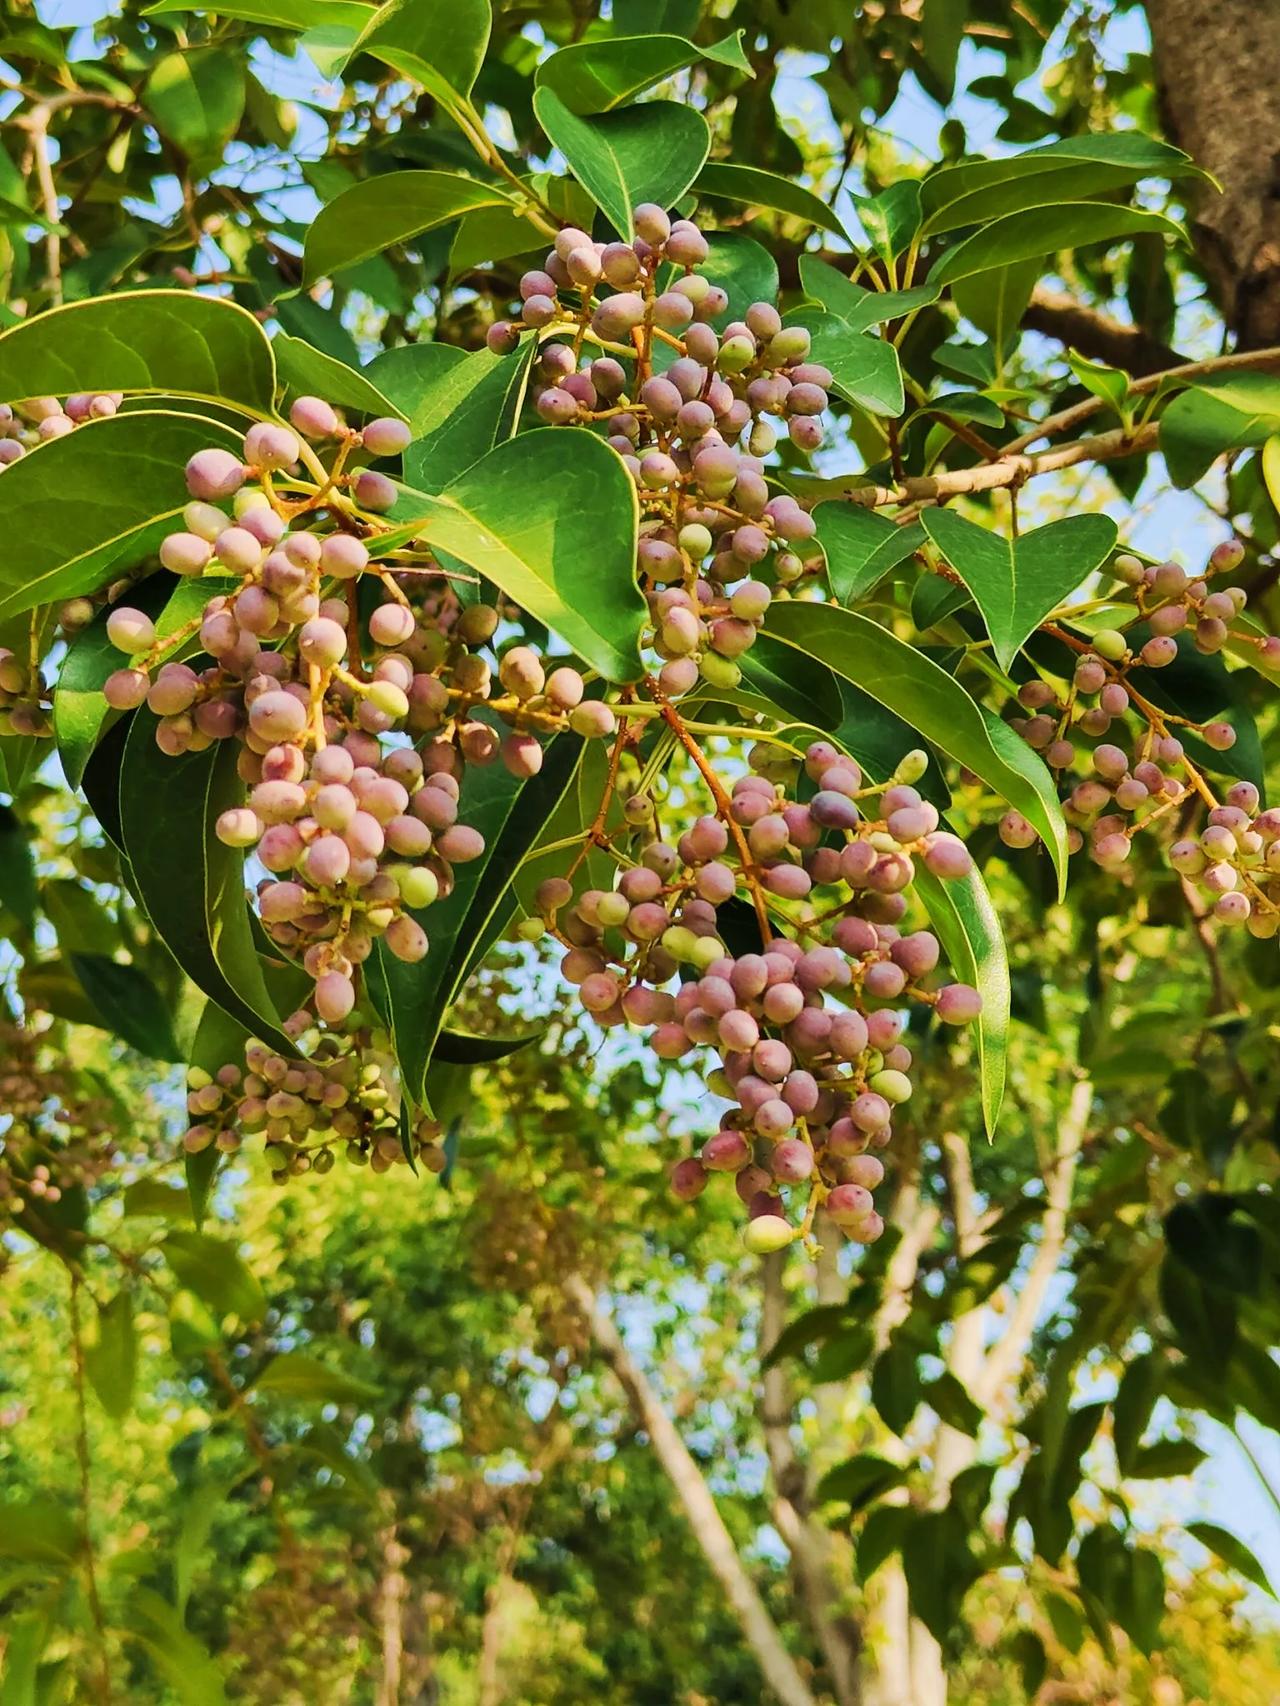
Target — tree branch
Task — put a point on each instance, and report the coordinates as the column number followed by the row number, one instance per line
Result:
column 1055, row 314
column 708, row 1527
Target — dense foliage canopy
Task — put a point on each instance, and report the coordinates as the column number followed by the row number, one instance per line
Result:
column 579, row 612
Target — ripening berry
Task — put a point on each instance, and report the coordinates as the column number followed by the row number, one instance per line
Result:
column 184, row 553
column 270, row 447
column 130, row 631
column 406, row 939
column 849, row 1204
column 213, row 474
column 343, row 556
column 277, row 716
column 791, row 1162
column 238, row 550
column 1159, row 651
column 386, row 436
column 335, row 997
column 1109, row 644
column 459, row 844
column 1015, row 831
column 390, row 700
column 322, row 641
column 766, row 1233
column 1220, row 736
column 314, row 418
column 419, row 887
column 238, row 827
column 688, row 1179
column 125, row 688
column 374, row 492
column 391, row 625
column 591, row 719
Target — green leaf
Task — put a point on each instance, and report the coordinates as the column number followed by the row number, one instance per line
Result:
column 438, row 43
column 1131, row 1408
column 303, row 368
column 412, row 376
column 1233, row 1553
column 169, row 341
column 595, row 76
column 632, row 17
column 82, row 922
column 39, row 1530
column 1045, row 231
column 860, row 309
column 218, row 1041
column 551, row 519
column 179, row 1657
column 80, row 714
column 1165, row 1458
column 892, row 218
column 859, row 1480
column 651, row 152
column 216, row 1273
column 82, row 509
column 932, row 701
column 995, row 302
column 1107, row 383
column 129, row 1003
column 977, row 191
column 200, row 1510
column 895, row 1383
column 460, row 1048
column 744, row 270
column 1017, row 582
column 26, row 1638
column 968, row 927
column 378, row 213
column 1215, row 416
column 865, row 371
column 940, row 1569
column 510, row 815
column 861, row 546
column 947, row 1397
column 17, row 867
column 195, row 99
column 308, row 1380
column 280, row 14
column 882, row 1535
column 472, row 407
column 755, row 188
column 191, row 886
column 111, row 1361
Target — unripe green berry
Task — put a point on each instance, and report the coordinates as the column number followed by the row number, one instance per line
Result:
column 767, row 1233
column 1110, row 644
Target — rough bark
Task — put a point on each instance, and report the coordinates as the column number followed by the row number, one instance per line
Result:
column 1056, row 315
column 716, row 1543
column 1220, row 98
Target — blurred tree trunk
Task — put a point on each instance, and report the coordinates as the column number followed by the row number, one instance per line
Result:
column 1216, row 67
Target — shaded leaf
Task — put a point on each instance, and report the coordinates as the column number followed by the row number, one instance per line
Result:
column 129, row 1004
column 111, row 1360
column 378, row 213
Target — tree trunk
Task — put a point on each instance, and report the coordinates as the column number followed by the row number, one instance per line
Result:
column 1216, row 66
column 714, row 1539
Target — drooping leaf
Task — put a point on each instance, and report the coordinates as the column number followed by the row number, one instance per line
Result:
column 308, row 1380
column 168, row 341
column 977, row 191
column 968, row 927
column 1017, row 582
column 651, row 152
column 17, row 867
column 111, row 1359
column 550, row 517
column 1131, row 1408
column 930, row 700
column 438, row 43
column 282, row 14
column 756, row 188
column 215, row 1271
column 1045, row 231
column 82, row 509
column 596, row 76
column 195, row 99
column 190, row 884
column 861, row 547
column 864, row 370
column 1233, row 1552
column 469, row 408
column 129, row 1004
column 1214, row 416
column 306, row 369
column 377, row 213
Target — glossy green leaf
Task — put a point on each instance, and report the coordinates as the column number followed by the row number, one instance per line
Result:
column 860, row 309
column 80, row 713
column 861, row 546
column 82, row 509
column 1074, row 169
column 967, row 925
column 1016, row 583
column 413, row 377
column 1214, row 416
column 129, row 1004
column 1045, row 231
column 214, row 1270
column 995, row 302
column 307, row 1380
column 755, row 188
column 930, row 700
column 1107, row 383
column 168, row 341
column 438, row 43
column 305, row 369
column 377, row 213
column 195, row 98
column 631, row 17
column 596, row 76
column 17, row 867
column 744, row 270
column 1233, row 1553
column 864, row 370
column 281, row 14
column 471, row 407
column 510, row 814
column 193, row 888
column 111, row 1359
column 651, row 152
column 892, row 218
column 550, row 517
column 858, row 1480
column 178, row 1655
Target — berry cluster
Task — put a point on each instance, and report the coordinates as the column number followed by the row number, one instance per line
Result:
column 808, row 1043
column 356, row 829
column 339, row 1096
column 1152, row 781
column 60, row 1132
column 690, row 413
